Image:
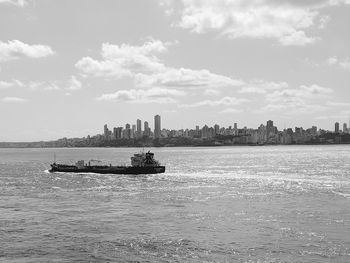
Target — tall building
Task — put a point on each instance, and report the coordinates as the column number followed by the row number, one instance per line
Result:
column 269, row 124
column 146, row 129
column 133, row 131
column 216, row 129
column 270, row 129
column 115, row 131
column 119, row 132
column 235, row 130
column 157, row 126
column 105, row 130
column 345, row 128
column 138, row 124
column 336, row 127
column 127, row 131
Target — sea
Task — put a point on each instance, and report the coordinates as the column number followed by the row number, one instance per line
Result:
column 215, row 204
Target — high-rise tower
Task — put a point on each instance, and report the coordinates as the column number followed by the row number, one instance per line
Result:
column 336, row 127
column 157, row 126
column 138, row 129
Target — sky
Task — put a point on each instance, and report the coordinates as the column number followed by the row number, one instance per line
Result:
column 69, row 67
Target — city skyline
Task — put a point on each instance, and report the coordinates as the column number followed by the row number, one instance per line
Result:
column 133, row 132
column 191, row 62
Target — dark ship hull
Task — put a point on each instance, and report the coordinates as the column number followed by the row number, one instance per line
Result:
column 107, row 169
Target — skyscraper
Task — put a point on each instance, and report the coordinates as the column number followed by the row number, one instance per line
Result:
column 270, row 129
column 157, row 126
column 216, row 129
column 336, row 127
column 138, row 124
column 146, row 131
column 105, row 130
column 269, row 124
column 133, row 131
column 235, row 130
column 345, row 128
column 197, row 130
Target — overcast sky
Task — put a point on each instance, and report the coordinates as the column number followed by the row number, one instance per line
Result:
column 69, row 67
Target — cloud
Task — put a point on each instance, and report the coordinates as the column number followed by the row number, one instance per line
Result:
column 9, row 84
column 211, row 92
column 225, row 101
column 20, row 3
column 13, row 99
column 16, row 49
column 71, row 84
column 142, row 64
column 297, row 106
column 262, row 87
column 154, row 95
column 345, row 64
column 51, row 86
column 230, row 111
column 302, row 99
column 332, row 61
column 338, row 104
column 185, row 78
column 5, row 84
column 339, row 115
column 284, row 20
column 124, row 60
column 298, row 94
column 74, row 84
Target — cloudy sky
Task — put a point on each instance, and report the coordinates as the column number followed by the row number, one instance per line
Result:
column 69, row 67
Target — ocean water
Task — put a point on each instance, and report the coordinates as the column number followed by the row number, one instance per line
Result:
column 223, row 204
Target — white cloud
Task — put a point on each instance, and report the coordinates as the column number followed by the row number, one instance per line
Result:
column 185, row 78
column 20, row 3
column 153, row 95
column 297, row 38
column 332, row 61
column 225, row 101
column 338, row 104
column 286, row 21
column 262, row 87
column 230, row 111
column 71, row 84
column 74, row 84
column 345, row 64
column 301, row 100
column 5, row 84
column 12, row 83
column 142, row 64
column 13, row 99
column 16, row 49
column 211, row 92
column 335, row 61
column 298, row 94
column 295, row 107
column 51, row 86
column 124, row 60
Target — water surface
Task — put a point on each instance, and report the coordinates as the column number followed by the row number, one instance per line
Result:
column 223, row 204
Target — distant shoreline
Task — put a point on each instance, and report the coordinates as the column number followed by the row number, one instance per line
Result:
column 217, row 141
column 172, row 146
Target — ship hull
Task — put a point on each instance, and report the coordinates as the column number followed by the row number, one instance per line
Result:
column 107, row 169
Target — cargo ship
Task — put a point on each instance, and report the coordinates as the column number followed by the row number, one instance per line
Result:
column 141, row 163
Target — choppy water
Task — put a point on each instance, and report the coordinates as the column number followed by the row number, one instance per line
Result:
column 227, row 204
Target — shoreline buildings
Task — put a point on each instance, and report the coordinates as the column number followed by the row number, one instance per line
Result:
column 264, row 134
